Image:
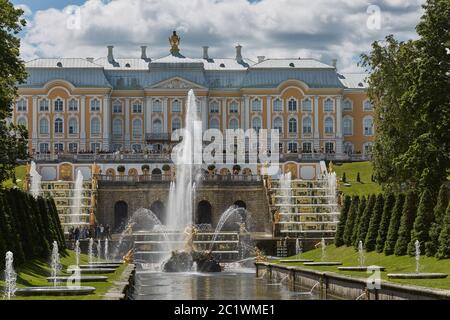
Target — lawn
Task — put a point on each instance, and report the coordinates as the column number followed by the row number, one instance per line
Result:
column 393, row 264
column 365, row 187
column 34, row 273
column 21, row 171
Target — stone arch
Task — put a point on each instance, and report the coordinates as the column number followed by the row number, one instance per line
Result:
column 292, row 168
column 247, row 172
column 159, row 210
column 204, row 213
column 156, row 174
column 111, row 172
column 240, row 204
column 132, row 172
column 120, row 215
column 225, row 172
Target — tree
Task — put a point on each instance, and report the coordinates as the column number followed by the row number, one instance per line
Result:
column 436, row 227
column 360, row 212
column 394, row 224
column 9, row 228
column 410, row 90
column 444, row 238
column 365, row 220
column 384, row 223
column 351, row 220
column 406, row 224
column 372, row 233
column 12, row 72
column 339, row 238
column 422, row 223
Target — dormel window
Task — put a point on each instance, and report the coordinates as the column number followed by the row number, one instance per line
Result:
column 292, row 125
column 59, row 126
column 43, row 126
column 234, row 107
column 137, row 128
column 95, row 126
column 157, row 106
column 59, row 105
column 95, row 105
column 328, row 105
column 214, row 107
column 367, row 105
column 117, row 107
column 43, row 105
column 73, row 126
column 73, row 105
column 307, row 125
column 137, row 107
column 292, row 105
column 307, row 105
column 176, row 106
column 347, row 105
column 22, row 105
column 256, row 105
column 277, row 105
column 329, row 125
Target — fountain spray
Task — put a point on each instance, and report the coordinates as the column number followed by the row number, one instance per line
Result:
column 55, row 263
column 106, row 249
column 361, row 256
column 417, row 244
column 10, row 276
column 36, row 178
column 77, row 252
column 90, row 251
column 323, row 246
column 99, row 250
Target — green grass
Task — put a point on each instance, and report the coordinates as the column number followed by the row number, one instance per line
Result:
column 393, row 264
column 35, row 273
column 365, row 187
column 21, row 172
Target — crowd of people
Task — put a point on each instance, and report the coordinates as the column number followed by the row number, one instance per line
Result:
column 98, row 232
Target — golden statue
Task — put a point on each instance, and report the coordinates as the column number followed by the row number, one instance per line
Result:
column 174, row 41
column 330, row 167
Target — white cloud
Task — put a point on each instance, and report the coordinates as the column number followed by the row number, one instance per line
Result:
column 274, row 28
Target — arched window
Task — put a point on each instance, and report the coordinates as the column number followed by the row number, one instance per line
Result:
column 292, row 147
column 307, row 125
column 278, row 124
column 157, row 106
column 22, row 121
column 347, row 124
column 176, row 106
column 256, row 124
column 73, row 105
column 367, row 105
column 137, row 128
column 214, row 124
column 329, row 125
column 176, row 124
column 368, row 126
column 214, row 107
column 234, row 107
column 234, row 124
column 328, row 105
column 117, row 127
column 95, row 126
column 137, row 107
column 292, row 125
column 59, row 125
column 307, row 147
column 348, row 148
column 73, row 126
column 292, row 105
column 117, row 107
column 256, row 105
column 59, row 105
column 347, row 105
column 307, row 105
column 367, row 148
column 43, row 105
column 22, row 105
column 157, row 126
column 277, row 105
column 95, row 105
column 43, row 126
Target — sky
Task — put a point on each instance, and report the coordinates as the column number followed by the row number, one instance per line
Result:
column 320, row 29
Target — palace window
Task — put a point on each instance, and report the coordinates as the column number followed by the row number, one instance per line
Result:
column 347, row 105
column 44, row 148
column 368, row 126
column 22, row 121
column 43, row 105
column 137, row 107
column 43, row 126
column 307, row 105
column 73, row 126
column 73, row 147
column 307, row 125
column 59, row 105
column 367, row 105
column 277, row 105
column 117, row 107
column 307, row 147
column 214, row 107
column 58, row 147
column 329, row 125
column 137, row 148
column 348, row 148
column 256, row 124
column 292, row 147
column 176, row 124
column 234, row 107
column 329, row 147
column 347, row 124
column 328, row 105
column 59, row 125
column 157, row 126
column 95, row 126
column 22, row 105
column 292, row 125
column 292, row 105
column 73, row 105
column 137, row 128
column 157, row 106
column 95, row 147
column 95, row 105
column 117, row 127
column 256, row 105
column 234, row 124
column 214, row 124
column 176, row 106
column 368, row 149
column 278, row 124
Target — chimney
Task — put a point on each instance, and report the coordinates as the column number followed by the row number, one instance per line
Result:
column 110, row 54
column 205, row 53
column 239, row 53
column 90, row 59
column 144, row 53
column 261, row 59
column 334, row 63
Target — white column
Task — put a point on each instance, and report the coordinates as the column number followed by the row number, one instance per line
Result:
column 148, row 114
column 106, row 123
column 224, row 114
column 339, row 146
column 269, row 112
column 165, row 125
column 316, row 124
column 204, row 109
column 34, row 134
column 246, row 112
column 83, row 123
column 127, row 124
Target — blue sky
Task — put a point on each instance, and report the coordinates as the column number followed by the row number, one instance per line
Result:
column 320, row 29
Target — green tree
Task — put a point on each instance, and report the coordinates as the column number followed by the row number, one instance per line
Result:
column 410, row 89
column 372, row 233
column 365, row 220
column 394, row 224
column 351, row 221
column 436, row 227
column 444, row 238
column 422, row 223
column 339, row 238
column 12, row 72
column 406, row 224
column 361, row 207
column 9, row 229
column 384, row 223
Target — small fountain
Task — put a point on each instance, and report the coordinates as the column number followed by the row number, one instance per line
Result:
column 77, row 252
column 298, row 247
column 298, row 252
column 99, row 251
column 361, row 262
column 323, row 262
column 361, row 255
column 55, row 263
column 323, row 246
column 77, row 201
column 35, row 187
column 90, row 251
column 417, row 245
column 10, row 276
column 106, row 250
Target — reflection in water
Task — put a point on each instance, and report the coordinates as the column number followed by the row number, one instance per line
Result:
column 228, row 285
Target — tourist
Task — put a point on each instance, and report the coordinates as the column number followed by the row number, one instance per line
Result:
column 77, row 234
column 108, row 232
column 97, row 232
column 102, row 230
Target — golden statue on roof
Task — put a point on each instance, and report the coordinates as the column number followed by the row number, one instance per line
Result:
column 174, row 41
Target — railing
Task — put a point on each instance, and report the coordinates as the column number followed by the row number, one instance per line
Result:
column 168, row 178
column 157, row 136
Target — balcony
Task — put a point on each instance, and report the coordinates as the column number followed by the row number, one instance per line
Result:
column 157, row 137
